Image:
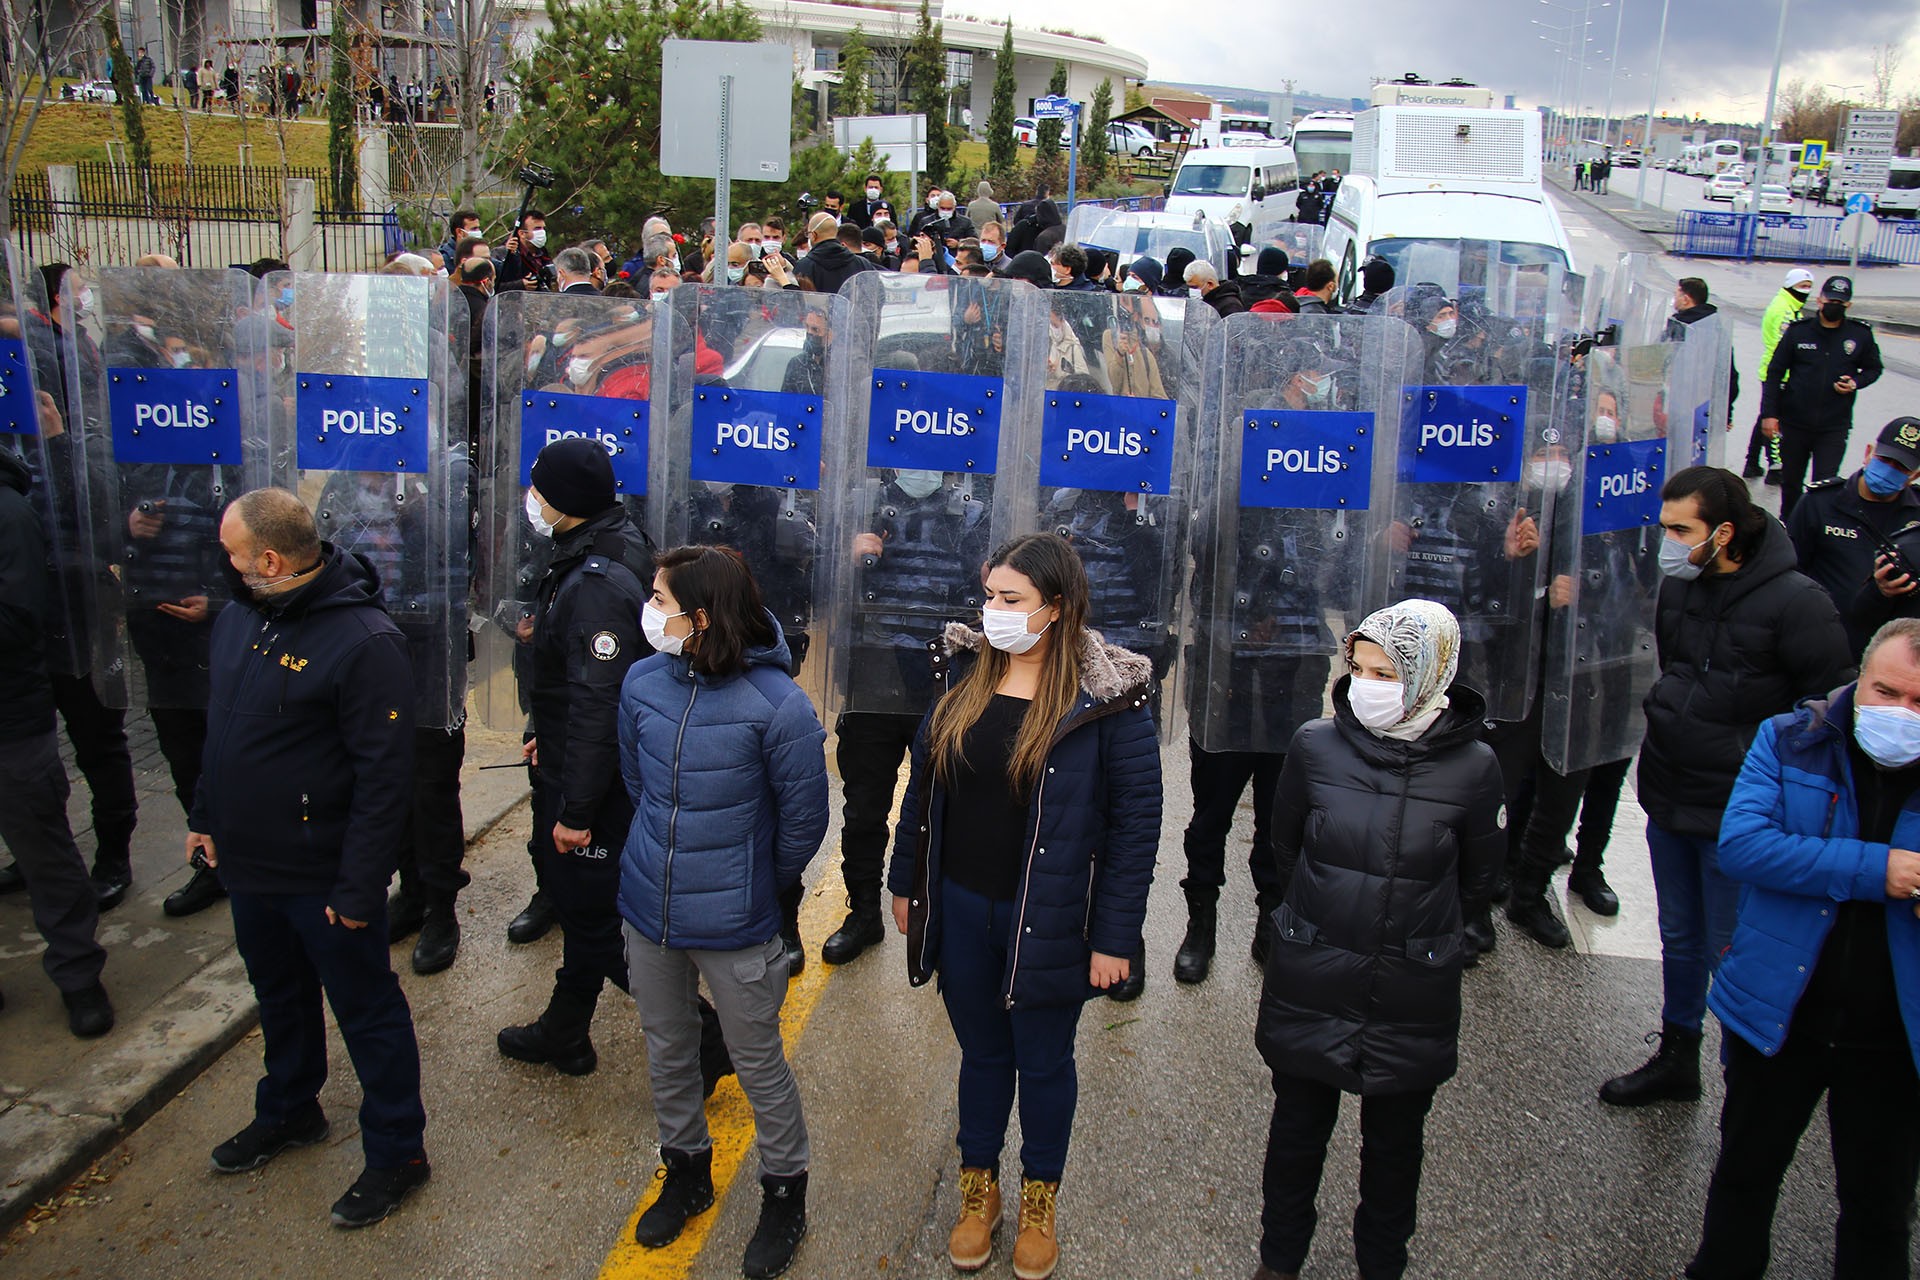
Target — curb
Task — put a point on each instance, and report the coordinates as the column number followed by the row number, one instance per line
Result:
column 50, row 1136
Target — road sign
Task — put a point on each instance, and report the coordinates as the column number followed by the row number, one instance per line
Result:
column 1857, row 119
column 1813, row 153
column 1052, row 108
column 744, row 132
column 1875, row 135
column 1869, row 150
column 901, row 139
column 1860, row 202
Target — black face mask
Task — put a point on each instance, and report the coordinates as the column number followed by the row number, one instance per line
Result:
column 1800, row 295
column 1833, row 310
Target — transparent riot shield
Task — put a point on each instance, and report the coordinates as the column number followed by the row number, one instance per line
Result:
column 1600, row 659
column 737, row 457
column 1109, row 469
column 44, row 426
column 1131, row 235
column 934, row 379
column 1296, row 441
column 553, row 365
column 1700, row 387
column 170, row 391
column 376, row 451
column 1479, row 468
column 1301, row 240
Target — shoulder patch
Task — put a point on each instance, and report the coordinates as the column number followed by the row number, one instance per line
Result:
column 1829, row 483
column 596, row 565
column 604, row 646
column 1500, row 819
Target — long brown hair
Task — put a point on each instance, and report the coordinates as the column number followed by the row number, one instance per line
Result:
column 1057, row 574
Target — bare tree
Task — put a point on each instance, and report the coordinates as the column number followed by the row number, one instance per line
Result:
column 34, row 51
column 1886, row 67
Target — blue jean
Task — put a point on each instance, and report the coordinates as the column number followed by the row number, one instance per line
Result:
column 293, row 955
column 1698, row 904
column 999, row 1047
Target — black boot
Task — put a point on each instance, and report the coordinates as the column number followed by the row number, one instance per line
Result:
column 1195, row 958
column 89, row 1012
column 686, row 1188
column 715, row 1062
column 11, row 881
column 1672, row 1074
column 1479, row 936
column 201, row 891
column 1532, row 913
column 863, row 928
column 557, row 1037
column 111, row 880
column 783, row 1224
column 439, row 938
column 1593, row 889
column 1128, row 989
column 532, row 923
column 406, row 912
column 790, row 930
column 1262, row 934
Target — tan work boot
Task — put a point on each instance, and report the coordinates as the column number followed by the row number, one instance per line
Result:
column 971, row 1245
column 1036, row 1252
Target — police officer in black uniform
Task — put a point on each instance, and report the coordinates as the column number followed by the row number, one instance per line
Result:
column 586, row 633
column 1822, row 360
column 1841, row 524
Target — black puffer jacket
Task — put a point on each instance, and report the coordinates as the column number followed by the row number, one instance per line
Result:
column 1386, row 848
column 1734, row 649
column 830, row 265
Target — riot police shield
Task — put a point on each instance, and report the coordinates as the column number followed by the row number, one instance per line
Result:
column 1621, row 443
column 1133, row 235
column 1300, row 240
column 553, row 365
column 172, row 396
column 1297, row 437
column 1109, row 470
column 934, row 382
column 44, row 427
column 1478, row 470
column 737, row 458
column 373, row 447
column 1700, row 388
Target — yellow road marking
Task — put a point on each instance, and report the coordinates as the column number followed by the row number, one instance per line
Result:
column 729, row 1117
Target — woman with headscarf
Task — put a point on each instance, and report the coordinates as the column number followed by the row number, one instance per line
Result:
column 1389, row 828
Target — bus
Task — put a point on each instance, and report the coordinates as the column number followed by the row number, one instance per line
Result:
column 1323, row 141
column 1704, row 160
column 1783, row 159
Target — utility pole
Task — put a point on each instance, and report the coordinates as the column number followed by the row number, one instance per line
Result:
column 1653, row 104
column 1613, row 67
column 1773, row 88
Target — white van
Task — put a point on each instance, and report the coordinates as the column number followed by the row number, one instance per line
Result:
column 1234, row 183
column 1901, row 197
column 1432, row 181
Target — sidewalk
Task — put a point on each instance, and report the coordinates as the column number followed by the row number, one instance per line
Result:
column 178, row 986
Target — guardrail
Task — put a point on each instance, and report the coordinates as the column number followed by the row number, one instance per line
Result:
column 1789, row 237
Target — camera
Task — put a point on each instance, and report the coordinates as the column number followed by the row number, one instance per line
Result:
column 535, row 175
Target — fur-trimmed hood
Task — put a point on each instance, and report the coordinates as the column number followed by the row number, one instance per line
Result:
column 1106, row 670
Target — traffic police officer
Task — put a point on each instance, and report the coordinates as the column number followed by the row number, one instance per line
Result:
column 1807, row 398
column 1840, row 526
column 586, row 633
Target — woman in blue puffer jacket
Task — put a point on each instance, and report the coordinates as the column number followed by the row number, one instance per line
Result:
column 725, row 760
column 1021, row 865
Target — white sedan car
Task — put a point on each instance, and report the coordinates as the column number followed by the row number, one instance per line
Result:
column 1723, row 186
column 1773, row 198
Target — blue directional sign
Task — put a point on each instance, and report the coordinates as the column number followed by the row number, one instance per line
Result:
column 19, row 415
column 934, row 421
column 1122, row 444
column 1859, row 202
column 1462, row 435
column 1622, row 489
column 768, row 438
column 619, row 425
column 1052, row 108
column 178, row 417
column 351, row 423
column 1305, row 459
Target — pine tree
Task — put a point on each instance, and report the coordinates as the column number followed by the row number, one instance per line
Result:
column 1094, row 154
column 343, row 144
column 1047, row 136
column 138, row 147
column 927, row 86
column 856, row 62
column 1002, row 148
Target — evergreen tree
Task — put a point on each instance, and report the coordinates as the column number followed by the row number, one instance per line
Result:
column 1094, row 155
column 1047, row 136
column 343, row 144
column 856, row 64
column 137, row 145
column 927, row 88
column 1002, row 148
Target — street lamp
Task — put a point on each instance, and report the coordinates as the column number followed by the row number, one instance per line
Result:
column 1619, row 23
column 1580, row 75
column 1653, row 102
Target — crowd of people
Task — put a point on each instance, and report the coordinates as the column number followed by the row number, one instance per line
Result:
column 680, row 782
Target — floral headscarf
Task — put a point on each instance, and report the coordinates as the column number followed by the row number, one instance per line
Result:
column 1423, row 639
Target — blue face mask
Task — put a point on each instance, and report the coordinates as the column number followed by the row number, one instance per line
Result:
column 1883, row 478
column 1890, row 735
column 989, row 250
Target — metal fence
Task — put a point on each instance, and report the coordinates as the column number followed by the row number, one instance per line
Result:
column 1703, row 233
column 89, row 233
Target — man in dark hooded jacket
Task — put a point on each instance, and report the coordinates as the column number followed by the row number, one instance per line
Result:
column 829, row 264
column 1268, row 278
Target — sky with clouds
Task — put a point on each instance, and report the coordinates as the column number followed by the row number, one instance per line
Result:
column 1719, row 53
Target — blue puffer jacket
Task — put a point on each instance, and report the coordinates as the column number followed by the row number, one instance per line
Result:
column 1791, row 835
column 1093, row 831
column 729, row 785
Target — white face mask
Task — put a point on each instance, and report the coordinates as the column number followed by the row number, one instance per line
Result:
column 1193, row 291
column 661, row 294
column 579, row 371
column 1551, row 474
column 1007, row 629
column 736, row 274
column 181, row 359
column 538, row 239
column 536, row 516
column 1132, row 284
column 1890, row 735
column 1605, row 429
column 1317, row 390
column 1377, row 704
column 918, row 484
column 873, row 193
column 933, row 202
column 145, row 331
column 770, row 246
column 653, row 624
column 83, row 301
column 1446, row 328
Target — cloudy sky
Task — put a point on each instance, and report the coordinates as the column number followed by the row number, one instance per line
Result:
column 1718, row 53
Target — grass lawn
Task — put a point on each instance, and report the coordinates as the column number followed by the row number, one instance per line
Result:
column 70, row 132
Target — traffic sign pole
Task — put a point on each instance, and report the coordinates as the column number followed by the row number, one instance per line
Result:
column 1073, row 155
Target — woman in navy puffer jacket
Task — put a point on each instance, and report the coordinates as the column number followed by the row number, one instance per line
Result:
column 1021, row 865
column 725, row 760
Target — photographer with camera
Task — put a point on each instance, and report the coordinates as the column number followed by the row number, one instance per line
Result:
column 527, row 264
column 1841, row 530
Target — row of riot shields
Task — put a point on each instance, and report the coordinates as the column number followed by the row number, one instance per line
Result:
column 1241, row 493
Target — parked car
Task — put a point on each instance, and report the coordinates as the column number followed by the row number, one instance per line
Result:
column 96, row 91
column 1773, row 198
column 1628, row 159
column 1723, row 186
column 1126, row 138
column 1026, row 131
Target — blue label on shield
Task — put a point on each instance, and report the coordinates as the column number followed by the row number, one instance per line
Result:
column 1462, row 435
column 1622, row 488
column 934, row 421
column 1118, row 443
column 350, row 423
column 185, row 417
column 769, row 438
column 1303, row 459
column 18, row 414
column 619, row 425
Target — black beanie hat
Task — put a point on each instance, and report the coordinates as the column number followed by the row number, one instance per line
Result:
column 1271, row 262
column 575, row 476
column 1376, row 275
